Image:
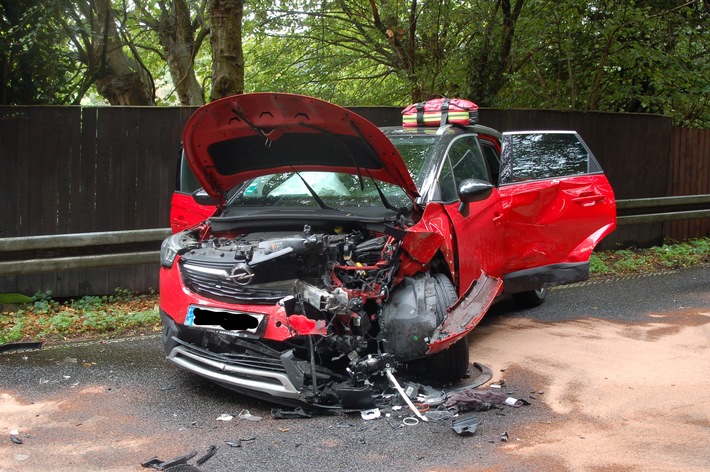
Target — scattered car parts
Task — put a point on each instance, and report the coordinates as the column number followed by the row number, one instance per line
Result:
column 465, row 426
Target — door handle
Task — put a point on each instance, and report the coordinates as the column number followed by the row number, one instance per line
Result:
column 589, row 200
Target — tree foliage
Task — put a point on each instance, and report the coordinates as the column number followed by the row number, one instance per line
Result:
column 648, row 56
column 34, row 67
column 621, row 56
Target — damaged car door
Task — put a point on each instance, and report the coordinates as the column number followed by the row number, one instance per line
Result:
column 557, row 205
column 185, row 210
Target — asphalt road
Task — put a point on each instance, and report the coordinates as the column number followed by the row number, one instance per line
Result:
column 112, row 405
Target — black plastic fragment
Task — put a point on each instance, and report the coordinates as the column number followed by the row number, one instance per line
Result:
column 156, row 463
column 179, row 460
column 15, row 439
column 151, row 462
column 238, row 442
column 210, row 452
column 285, row 414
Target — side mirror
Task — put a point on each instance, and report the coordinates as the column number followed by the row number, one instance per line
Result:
column 203, row 198
column 473, row 190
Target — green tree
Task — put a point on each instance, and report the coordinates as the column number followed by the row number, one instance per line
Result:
column 108, row 63
column 647, row 56
column 180, row 27
column 34, row 67
column 611, row 55
column 414, row 48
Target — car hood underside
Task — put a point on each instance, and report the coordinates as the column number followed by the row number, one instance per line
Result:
column 232, row 140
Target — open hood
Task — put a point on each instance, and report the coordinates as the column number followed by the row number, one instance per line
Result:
column 238, row 138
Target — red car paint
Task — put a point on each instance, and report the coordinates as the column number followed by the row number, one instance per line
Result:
column 517, row 236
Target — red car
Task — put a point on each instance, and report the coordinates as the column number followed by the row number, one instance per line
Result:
column 337, row 250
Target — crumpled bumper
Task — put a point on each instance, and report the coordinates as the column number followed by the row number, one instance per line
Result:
column 272, row 375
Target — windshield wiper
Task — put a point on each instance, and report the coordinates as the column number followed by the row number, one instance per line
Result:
column 313, row 193
column 383, row 198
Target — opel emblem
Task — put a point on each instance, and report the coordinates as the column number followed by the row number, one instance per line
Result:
column 241, row 274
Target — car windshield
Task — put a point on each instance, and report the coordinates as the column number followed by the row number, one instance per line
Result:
column 415, row 149
column 336, row 190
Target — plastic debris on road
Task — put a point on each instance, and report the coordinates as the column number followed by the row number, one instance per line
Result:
column 245, row 415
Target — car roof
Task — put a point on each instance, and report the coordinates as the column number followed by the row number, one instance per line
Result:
column 401, row 130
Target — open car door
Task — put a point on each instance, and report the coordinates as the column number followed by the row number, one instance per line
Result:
column 184, row 210
column 557, row 205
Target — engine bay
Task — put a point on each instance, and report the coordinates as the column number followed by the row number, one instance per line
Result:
column 341, row 277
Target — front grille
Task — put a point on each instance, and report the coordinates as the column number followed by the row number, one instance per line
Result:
column 217, row 286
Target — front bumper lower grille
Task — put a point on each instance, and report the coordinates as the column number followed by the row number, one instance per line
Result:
column 261, row 374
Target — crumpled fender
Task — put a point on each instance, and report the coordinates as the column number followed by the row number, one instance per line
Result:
column 433, row 233
column 466, row 313
column 419, row 247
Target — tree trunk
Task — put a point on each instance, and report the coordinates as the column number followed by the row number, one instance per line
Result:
column 177, row 36
column 487, row 70
column 117, row 77
column 226, row 42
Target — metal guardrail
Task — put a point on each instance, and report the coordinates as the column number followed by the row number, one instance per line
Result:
column 655, row 212
column 114, row 243
column 662, row 203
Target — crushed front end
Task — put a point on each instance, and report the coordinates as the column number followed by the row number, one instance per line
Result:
column 291, row 315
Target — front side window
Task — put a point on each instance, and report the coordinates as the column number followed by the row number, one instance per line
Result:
column 463, row 161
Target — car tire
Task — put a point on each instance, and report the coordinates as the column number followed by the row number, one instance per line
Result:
column 449, row 365
column 531, row 298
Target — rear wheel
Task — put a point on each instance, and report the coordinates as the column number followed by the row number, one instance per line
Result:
column 530, row 299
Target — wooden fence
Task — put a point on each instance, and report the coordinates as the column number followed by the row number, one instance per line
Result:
column 688, row 174
column 78, row 170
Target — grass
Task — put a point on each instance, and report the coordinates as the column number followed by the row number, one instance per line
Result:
column 654, row 259
column 42, row 318
column 46, row 319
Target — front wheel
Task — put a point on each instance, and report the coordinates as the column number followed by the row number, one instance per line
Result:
column 531, row 298
column 452, row 364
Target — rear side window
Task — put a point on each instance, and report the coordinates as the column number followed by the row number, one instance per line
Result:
column 544, row 155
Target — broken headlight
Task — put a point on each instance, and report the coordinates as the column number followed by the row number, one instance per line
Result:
column 172, row 246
